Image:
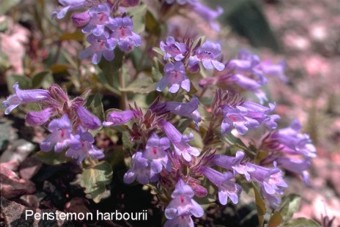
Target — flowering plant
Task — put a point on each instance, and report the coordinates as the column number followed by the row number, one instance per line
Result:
column 193, row 126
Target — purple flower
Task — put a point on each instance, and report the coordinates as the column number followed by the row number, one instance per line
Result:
column 99, row 19
column 122, row 33
column 208, row 54
column 119, row 117
column 188, row 109
column 247, row 115
column 81, row 147
column 208, row 14
column 293, row 142
column 271, row 182
column 175, row 77
column 173, row 49
column 250, row 73
column 24, row 97
column 68, row 5
column 180, row 142
column 60, row 136
column 275, row 70
column 180, row 221
column 140, row 170
column 182, row 206
column 87, row 119
column 99, row 46
column 233, row 164
column 245, row 62
column 291, row 149
column 156, row 152
column 81, row 19
column 148, row 164
column 35, row 118
column 227, row 188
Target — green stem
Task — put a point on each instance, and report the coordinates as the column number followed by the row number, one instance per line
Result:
column 123, row 94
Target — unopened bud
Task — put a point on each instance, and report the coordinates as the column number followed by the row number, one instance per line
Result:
column 81, row 19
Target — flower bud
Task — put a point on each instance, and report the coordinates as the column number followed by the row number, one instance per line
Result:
column 81, row 19
column 35, row 118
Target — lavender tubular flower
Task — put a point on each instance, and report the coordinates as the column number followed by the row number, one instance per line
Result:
column 175, row 78
column 81, row 19
column 99, row 46
column 140, row 170
column 188, row 109
column 99, row 18
column 87, row 119
column 24, row 97
column 35, row 118
column 271, row 182
column 81, row 147
column 118, row 118
column 180, row 142
column 122, row 33
column 291, row 149
column 68, row 5
column 182, row 206
column 155, row 152
column 173, row 49
column 248, row 115
column 60, row 136
column 249, row 72
column 293, row 142
column 275, row 70
column 208, row 14
column 227, row 188
column 207, row 54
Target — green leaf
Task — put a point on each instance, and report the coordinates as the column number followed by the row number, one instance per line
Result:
column 138, row 13
column 43, row 79
column 94, row 102
column 141, row 86
column 260, row 205
column 152, row 24
column 24, row 82
column 6, row 5
column 155, row 71
column 301, row 222
column 51, row 158
column 3, row 25
column 126, row 139
column 238, row 144
column 95, row 179
column 109, row 75
column 275, row 220
column 290, row 204
column 197, row 141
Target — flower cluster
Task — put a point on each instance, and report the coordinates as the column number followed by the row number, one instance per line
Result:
column 70, row 122
column 247, row 72
column 181, row 57
column 104, row 32
column 167, row 152
column 290, row 149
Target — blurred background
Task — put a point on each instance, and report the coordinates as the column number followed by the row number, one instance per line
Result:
column 305, row 33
